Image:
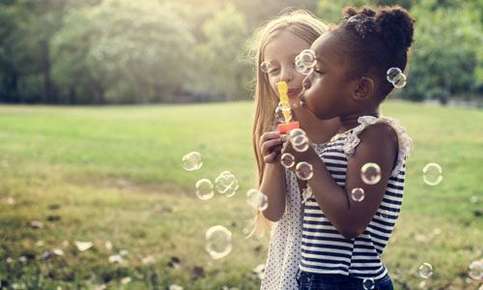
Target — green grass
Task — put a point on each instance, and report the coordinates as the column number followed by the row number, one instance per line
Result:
column 116, row 174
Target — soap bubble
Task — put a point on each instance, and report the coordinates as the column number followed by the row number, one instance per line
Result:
column 226, row 183
column 476, row 270
column 257, row 199
column 218, row 241
column 279, row 117
column 266, row 66
column 299, row 140
column 358, row 194
column 283, row 111
column 393, row 73
column 192, row 161
column 287, row 160
column 305, row 61
column 304, row 170
column 300, row 143
column 425, row 270
column 204, row 189
column 368, row 284
column 396, row 77
column 432, row 174
column 400, row 82
column 371, row 173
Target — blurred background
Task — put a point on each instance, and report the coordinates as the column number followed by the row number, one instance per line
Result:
column 117, row 52
column 102, row 100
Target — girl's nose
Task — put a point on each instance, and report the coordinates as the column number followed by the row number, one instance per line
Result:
column 287, row 74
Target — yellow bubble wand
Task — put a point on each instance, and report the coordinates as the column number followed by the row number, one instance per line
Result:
column 286, row 126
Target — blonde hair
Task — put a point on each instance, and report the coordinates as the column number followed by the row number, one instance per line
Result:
column 308, row 28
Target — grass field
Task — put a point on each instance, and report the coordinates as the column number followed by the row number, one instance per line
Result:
column 114, row 174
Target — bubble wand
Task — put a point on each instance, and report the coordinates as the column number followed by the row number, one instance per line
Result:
column 287, row 125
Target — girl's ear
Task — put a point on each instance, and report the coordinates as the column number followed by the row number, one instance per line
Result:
column 364, row 89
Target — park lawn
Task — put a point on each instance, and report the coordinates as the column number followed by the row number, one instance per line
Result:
column 114, row 174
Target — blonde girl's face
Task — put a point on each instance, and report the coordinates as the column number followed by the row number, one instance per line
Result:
column 279, row 62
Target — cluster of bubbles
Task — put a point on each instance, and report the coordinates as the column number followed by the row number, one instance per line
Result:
column 300, row 143
column 370, row 175
column 305, row 61
column 219, row 238
column 396, row 77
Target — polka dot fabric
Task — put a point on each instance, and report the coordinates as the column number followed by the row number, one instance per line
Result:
column 284, row 251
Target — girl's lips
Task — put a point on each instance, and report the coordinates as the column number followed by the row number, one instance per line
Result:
column 294, row 92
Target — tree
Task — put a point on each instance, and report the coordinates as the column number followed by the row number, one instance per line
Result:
column 222, row 70
column 446, row 52
column 135, row 52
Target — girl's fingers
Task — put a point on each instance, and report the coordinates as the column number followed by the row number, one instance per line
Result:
column 269, row 135
column 270, row 157
column 267, row 146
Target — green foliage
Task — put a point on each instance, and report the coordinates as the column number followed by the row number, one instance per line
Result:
column 447, row 52
column 222, row 69
column 118, row 51
column 135, row 53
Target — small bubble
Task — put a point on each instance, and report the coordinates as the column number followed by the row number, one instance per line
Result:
column 400, row 82
column 396, row 77
column 204, row 189
column 192, row 161
column 305, row 61
column 265, row 66
column 257, row 199
column 304, row 170
column 425, row 270
column 476, row 270
column 432, row 174
column 358, row 194
column 368, row 284
column 299, row 140
column 279, row 116
column 287, row 160
column 218, row 241
column 371, row 173
column 226, row 183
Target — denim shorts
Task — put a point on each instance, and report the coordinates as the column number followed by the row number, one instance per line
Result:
column 313, row 281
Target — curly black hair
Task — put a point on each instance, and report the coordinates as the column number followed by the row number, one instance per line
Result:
column 374, row 40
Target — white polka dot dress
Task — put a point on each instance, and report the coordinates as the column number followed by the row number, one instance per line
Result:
column 284, row 251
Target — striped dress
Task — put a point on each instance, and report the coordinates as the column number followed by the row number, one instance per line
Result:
column 323, row 249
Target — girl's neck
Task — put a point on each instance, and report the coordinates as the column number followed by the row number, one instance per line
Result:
column 350, row 121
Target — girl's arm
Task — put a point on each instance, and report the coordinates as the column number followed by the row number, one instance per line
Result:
column 378, row 144
column 273, row 178
column 273, row 186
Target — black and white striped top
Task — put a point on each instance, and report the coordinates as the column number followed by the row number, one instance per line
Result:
column 324, row 250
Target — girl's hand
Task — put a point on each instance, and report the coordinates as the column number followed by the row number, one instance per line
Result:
column 270, row 146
